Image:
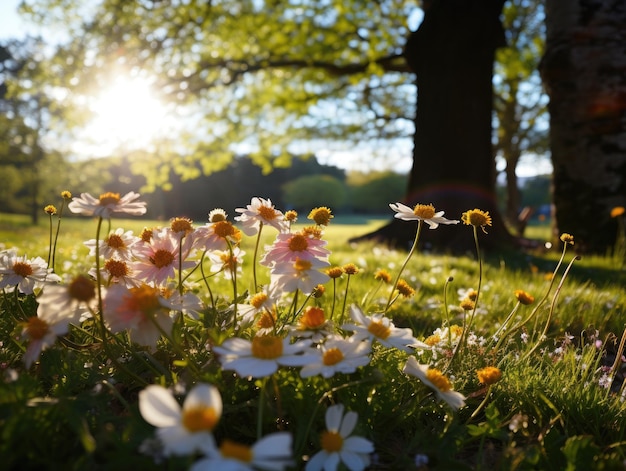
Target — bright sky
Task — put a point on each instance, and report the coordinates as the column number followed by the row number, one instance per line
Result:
column 11, row 25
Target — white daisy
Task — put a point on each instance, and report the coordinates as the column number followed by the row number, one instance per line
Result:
column 303, row 275
column 421, row 212
column 338, row 446
column 338, row 355
column 42, row 331
column 108, row 204
column 73, row 300
column 435, row 380
column 117, row 244
column 187, row 429
column 23, row 273
column 260, row 212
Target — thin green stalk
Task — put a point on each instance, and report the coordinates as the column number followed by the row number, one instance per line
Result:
column 345, row 300
column 254, row 257
column 406, row 261
column 56, row 236
column 332, row 308
column 50, row 241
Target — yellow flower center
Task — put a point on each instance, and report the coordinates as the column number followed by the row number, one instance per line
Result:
column 181, row 225
column 404, row 289
column 267, row 347
column 237, row 451
column 489, row 375
column 456, row 330
column 332, row 356
column 223, row 229
column 291, row 215
column 334, row 272
column 433, row 340
column 321, row 216
column 217, row 215
column 379, row 330
column 162, row 258
column 36, row 328
column 382, row 275
column 313, row 318
column 331, row 441
column 258, row 300
column 267, row 212
column 229, row 261
column 267, row 321
column 109, row 198
column 350, row 269
column 424, row 211
column 298, row 243
column 200, row 418
column 144, row 299
column 116, row 268
column 302, row 265
column 22, row 269
column 523, row 297
column 115, row 242
column 467, row 304
column 146, row 235
column 50, row 209
column 82, row 288
column 438, row 379
column 476, row 217
column 313, row 232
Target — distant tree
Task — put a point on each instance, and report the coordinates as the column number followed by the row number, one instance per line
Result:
column 372, row 192
column 584, row 72
column 305, row 193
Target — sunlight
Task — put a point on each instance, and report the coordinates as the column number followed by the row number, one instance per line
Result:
column 126, row 115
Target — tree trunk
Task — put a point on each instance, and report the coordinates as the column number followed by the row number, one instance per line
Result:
column 452, row 55
column 584, row 70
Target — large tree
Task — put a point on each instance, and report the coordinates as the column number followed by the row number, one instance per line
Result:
column 268, row 74
column 584, row 70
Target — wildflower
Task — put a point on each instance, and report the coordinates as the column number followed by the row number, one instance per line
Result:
column 489, row 375
column 288, row 247
column 467, row 304
column 380, row 328
column 476, row 218
column 262, row 356
column 339, row 445
column 291, row 216
column 66, row 195
column 617, row 211
column 303, row 275
column 404, row 289
column 42, row 331
column 338, row 355
column 334, row 272
column 140, row 310
column 23, row 273
column 523, row 297
column 567, row 238
column 117, row 244
column 350, row 269
column 181, row 226
column 272, row 452
column 217, row 235
column 158, row 259
column 227, row 261
column 321, row 216
column 74, row 300
column 50, row 209
column 318, row 291
column 146, row 234
column 421, row 212
column 312, row 324
column 382, row 275
column 314, row 232
column 108, row 204
column 260, row 212
column 217, row 214
column 435, row 380
column 116, row 271
column 267, row 322
column 187, row 429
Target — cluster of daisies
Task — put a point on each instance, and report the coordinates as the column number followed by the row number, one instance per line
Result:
column 142, row 284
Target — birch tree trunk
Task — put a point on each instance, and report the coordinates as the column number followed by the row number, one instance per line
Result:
column 584, row 71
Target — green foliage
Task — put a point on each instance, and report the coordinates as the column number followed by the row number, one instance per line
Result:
column 372, row 193
column 315, row 190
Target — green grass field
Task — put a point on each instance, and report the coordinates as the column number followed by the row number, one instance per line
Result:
column 559, row 404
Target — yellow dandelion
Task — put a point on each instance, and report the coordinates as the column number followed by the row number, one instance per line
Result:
column 50, row 209
column 319, row 291
column 489, row 375
column 350, row 269
column 66, row 195
column 523, row 297
column 383, row 275
column 467, row 304
column 334, row 272
column 404, row 289
column 291, row 216
column 567, row 238
column 477, row 218
column 321, row 215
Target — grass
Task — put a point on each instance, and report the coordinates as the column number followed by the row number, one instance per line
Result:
column 558, row 405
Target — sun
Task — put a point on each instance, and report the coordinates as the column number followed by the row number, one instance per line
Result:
column 126, row 115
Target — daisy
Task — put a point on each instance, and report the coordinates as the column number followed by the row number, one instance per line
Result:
column 115, row 271
column 263, row 355
column 227, row 262
column 303, row 275
column 338, row 355
column 379, row 328
column 421, row 212
column 219, row 235
column 434, row 379
column 188, row 303
column 42, row 331
column 139, row 310
column 118, row 245
column 288, row 247
column 108, row 204
column 312, row 324
column 262, row 303
column 187, row 429
column 75, row 299
column 272, row 453
column 260, row 212
column 338, row 446
column 158, row 260
column 24, row 274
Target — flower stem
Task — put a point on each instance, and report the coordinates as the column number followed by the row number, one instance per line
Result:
column 406, row 261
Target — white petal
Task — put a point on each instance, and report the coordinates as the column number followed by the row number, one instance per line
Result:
column 354, row 461
column 158, row 407
column 204, row 395
column 358, row 445
column 348, row 423
column 317, row 461
column 334, row 414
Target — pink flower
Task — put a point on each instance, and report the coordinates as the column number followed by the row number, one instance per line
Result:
column 42, row 332
column 118, row 245
column 260, row 212
column 23, row 273
column 303, row 275
column 138, row 310
column 288, row 247
column 108, row 204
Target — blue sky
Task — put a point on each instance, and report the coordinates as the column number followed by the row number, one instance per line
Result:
column 11, row 25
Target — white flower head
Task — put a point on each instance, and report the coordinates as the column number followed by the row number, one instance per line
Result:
column 435, row 380
column 260, row 212
column 42, row 331
column 108, row 204
column 421, row 212
column 338, row 355
column 339, row 445
column 299, row 274
column 272, row 453
column 118, row 244
column 187, row 429
column 263, row 355
column 73, row 300
column 23, row 273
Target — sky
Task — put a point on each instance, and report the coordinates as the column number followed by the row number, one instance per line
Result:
column 12, row 25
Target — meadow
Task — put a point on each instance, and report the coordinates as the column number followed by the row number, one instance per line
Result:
column 246, row 347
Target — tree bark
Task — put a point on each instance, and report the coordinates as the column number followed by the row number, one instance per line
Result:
column 452, row 54
column 584, row 70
